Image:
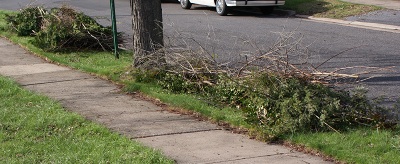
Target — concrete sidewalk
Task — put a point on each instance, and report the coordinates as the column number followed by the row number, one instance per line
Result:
column 179, row 137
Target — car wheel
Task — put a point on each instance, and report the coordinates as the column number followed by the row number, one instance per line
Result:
column 186, row 4
column 266, row 10
column 221, row 7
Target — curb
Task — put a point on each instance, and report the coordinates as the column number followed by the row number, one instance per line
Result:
column 367, row 25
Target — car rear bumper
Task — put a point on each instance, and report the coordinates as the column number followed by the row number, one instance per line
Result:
column 255, row 2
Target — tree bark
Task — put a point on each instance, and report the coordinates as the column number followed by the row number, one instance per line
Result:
column 147, row 32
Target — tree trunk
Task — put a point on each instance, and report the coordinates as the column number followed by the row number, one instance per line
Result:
column 147, row 32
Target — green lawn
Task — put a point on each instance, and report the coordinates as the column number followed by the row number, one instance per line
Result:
column 36, row 129
column 355, row 146
column 328, row 8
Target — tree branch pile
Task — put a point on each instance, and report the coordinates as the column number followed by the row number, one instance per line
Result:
column 278, row 89
column 62, row 28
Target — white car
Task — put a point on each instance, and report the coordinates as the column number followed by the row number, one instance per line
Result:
column 222, row 6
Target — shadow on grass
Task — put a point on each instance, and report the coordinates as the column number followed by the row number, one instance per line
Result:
column 307, row 7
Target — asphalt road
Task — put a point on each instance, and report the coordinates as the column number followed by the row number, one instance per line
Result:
column 390, row 17
column 243, row 33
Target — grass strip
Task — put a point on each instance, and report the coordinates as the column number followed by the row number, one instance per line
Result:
column 355, row 146
column 346, row 146
column 36, row 129
column 191, row 102
column 328, row 8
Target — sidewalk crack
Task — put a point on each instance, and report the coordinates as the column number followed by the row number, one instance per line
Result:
column 244, row 158
column 57, row 81
column 167, row 134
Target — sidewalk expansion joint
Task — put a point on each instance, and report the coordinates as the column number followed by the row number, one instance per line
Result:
column 58, row 81
column 169, row 134
column 244, row 158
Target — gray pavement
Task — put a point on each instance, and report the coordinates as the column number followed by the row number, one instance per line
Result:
column 387, row 19
column 389, row 4
column 180, row 137
column 389, row 16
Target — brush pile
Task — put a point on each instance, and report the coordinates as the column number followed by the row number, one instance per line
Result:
column 62, row 29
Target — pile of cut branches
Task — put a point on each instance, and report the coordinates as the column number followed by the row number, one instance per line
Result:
column 277, row 89
column 62, row 28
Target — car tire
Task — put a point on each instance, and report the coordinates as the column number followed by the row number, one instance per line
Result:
column 220, row 6
column 267, row 10
column 186, row 4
